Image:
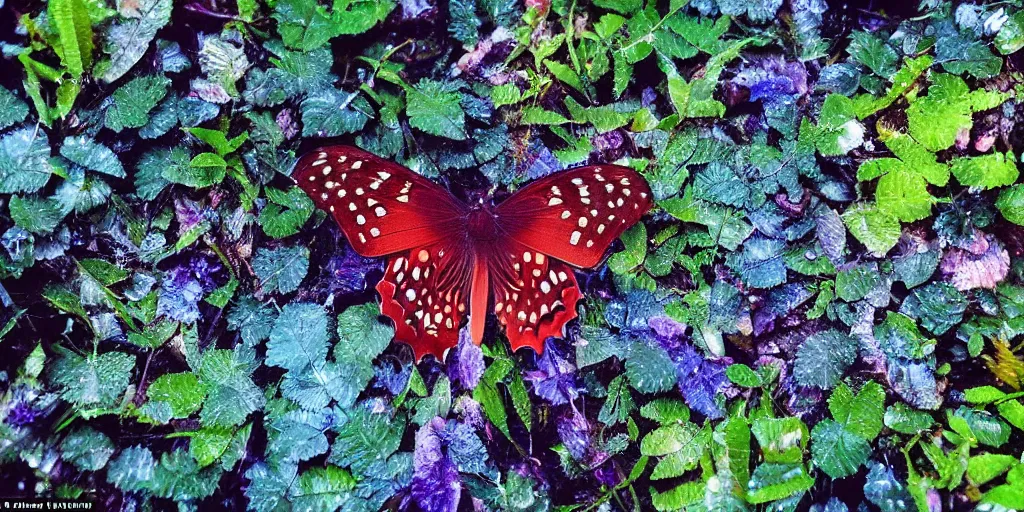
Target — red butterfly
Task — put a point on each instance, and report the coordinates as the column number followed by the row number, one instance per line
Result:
column 449, row 258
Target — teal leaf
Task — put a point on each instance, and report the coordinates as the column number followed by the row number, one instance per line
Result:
column 299, row 338
column 333, row 112
column 24, row 160
column 128, row 39
column 133, row 102
column 281, row 270
column 231, row 395
column 823, row 358
column 649, row 368
column 92, row 155
column 87, row 448
column 12, row 109
column 94, row 380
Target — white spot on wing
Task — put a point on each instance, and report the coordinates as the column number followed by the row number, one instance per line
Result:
column 574, row 238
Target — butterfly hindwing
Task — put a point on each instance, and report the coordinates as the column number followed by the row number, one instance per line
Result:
column 576, row 214
column 381, row 206
column 536, row 300
column 425, row 305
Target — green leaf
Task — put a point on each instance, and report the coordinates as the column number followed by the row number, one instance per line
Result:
column 877, row 230
column 836, row 450
column 823, row 358
column 855, row 283
column 35, row 214
column 149, row 177
column 760, row 264
column 437, row 404
column 128, row 39
column 978, row 427
column 618, row 405
column 208, row 444
column 435, row 108
column 936, row 119
column 772, row 482
column 665, row 411
column 694, row 99
column 133, row 102
column 871, row 51
column 24, row 160
column 505, row 94
column 464, row 24
column 537, row 115
column 938, row 306
column 218, row 140
column 204, row 170
column 742, row 375
column 986, row 171
column 782, row 440
column 12, row 109
column 303, row 25
column 861, row 414
column 985, row 467
column 634, row 241
column 103, row 271
column 92, row 155
column 565, row 74
column 181, row 391
column 74, row 34
column 901, row 418
column 1010, row 37
column 367, row 437
column 678, row 497
column 622, row 6
column 899, row 337
column 904, row 196
column 361, row 335
column 281, row 270
column 286, row 212
column 322, row 489
column 231, row 394
column 680, row 446
column 1011, row 204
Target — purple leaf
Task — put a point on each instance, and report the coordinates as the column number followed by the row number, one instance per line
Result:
column 665, row 327
column 979, row 267
column 348, row 271
column 574, row 431
column 436, row 484
column 554, row 379
column 467, row 365
column 179, row 295
column 700, row 380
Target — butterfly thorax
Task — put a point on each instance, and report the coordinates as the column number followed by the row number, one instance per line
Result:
column 481, row 224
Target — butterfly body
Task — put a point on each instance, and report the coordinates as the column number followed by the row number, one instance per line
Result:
column 449, row 260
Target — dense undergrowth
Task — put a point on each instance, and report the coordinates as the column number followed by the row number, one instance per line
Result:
column 824, row 309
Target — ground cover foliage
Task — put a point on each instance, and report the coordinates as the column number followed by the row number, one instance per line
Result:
column 822, row 312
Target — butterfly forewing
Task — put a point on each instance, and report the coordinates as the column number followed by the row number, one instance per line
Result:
column 575, row 215
column 381, row 206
